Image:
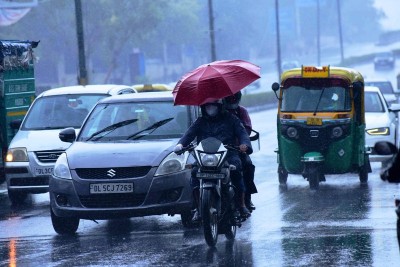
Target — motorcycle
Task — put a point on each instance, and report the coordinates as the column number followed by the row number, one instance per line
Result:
column 216, row 205
column 385, row 148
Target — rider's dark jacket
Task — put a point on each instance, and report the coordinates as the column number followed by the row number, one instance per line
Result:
column 225, row 127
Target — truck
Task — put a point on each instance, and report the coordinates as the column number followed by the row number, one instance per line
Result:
column 17, row 89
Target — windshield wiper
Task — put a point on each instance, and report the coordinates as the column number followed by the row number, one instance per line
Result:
column 319, row 100
column 111, row 128
column 151, row 128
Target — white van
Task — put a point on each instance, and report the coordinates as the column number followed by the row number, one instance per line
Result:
column 36, row 146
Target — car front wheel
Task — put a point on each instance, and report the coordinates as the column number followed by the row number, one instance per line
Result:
column 64, row 225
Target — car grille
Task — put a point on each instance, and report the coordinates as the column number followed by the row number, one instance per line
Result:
column 49, row 156
column 112, row 173
column 112, row 200
column 37, row 181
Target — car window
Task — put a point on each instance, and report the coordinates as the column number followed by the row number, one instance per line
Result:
column 129, row 121
column 60, row 111
column 385, row 87
column 373, row 102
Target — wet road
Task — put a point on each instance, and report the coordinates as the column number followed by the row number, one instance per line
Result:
column 342, row 224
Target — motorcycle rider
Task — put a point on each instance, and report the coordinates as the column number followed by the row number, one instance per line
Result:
column 218, row 123
column 232, row 104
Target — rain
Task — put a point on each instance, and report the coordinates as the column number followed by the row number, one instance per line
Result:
column 344, row 223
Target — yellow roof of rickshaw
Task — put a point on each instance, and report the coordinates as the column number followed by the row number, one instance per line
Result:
column 339, row 72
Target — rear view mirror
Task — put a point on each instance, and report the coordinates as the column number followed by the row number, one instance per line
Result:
column 275, row 87
column 385, row 148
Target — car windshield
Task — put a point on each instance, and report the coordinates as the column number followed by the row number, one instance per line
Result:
column 385, row 87
column 325, row 96
column 60, row 111
column 373, row 102
column 132, row 121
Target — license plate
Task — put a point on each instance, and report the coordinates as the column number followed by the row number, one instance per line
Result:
column 44, row 171
column 314, row 121
column 111, row 188
column 210, row 175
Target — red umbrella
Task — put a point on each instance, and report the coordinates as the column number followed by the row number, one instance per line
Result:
column 214, row 81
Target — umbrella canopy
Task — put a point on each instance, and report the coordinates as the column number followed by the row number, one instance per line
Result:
column 214, row 81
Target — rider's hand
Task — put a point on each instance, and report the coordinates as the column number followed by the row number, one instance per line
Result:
column 243, row 148
column 178, row 148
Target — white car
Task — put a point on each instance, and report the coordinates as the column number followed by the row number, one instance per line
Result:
column 35, row 148
column 386, row 88
column 381, row 122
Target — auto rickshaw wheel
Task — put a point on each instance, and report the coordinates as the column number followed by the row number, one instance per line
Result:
column 313, row 180
column 282, row 175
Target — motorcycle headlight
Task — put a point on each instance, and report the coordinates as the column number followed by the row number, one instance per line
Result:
column 337, row 132
column 61, row 168
column 379, row 131
column 172, row 163
column 209, row 160
column 291, row 132
column 18, row 154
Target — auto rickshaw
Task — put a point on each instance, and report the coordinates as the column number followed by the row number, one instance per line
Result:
column 321, row 124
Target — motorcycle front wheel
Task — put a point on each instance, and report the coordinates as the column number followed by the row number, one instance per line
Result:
column 209, row 217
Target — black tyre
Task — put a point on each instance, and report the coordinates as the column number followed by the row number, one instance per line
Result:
column 363, row 173
column 64, row 225
column 17, row 198
column 209, row 217
column 186, row 218
column 230, row 231
column 313, row 180
column 282, row 175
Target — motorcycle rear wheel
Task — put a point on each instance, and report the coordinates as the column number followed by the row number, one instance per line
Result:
column 209, row 217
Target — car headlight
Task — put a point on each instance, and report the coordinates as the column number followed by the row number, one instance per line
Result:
column 61, row 168
column 379, row 131
column 172, row 163
column 18, row 154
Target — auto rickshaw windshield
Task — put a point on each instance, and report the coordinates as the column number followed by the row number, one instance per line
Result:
column 315, row 95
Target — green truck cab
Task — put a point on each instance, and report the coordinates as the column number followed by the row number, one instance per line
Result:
column 17, row 89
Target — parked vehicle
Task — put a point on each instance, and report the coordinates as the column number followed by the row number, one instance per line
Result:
column 17, row 84
column 381, row 122
column 386, row 88
column 384, row 60
column 35, row 148
column 391, row 174
column 122, row 164
column 321, row 124
column 217, row 208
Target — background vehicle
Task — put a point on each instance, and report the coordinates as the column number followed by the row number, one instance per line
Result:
column 321, row 124
column 384, row 60
column 291, row 64
column 122, row 163
column 386, row 88
column 36, row 147
column 17, row 84
column 381, row 122
column 155, row 87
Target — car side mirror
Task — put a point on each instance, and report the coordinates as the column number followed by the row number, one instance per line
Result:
column 15, row 124
column 395, row 107
column 385, row 148
column 67, row 135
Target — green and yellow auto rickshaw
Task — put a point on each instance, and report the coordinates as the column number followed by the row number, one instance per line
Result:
column 321, row 124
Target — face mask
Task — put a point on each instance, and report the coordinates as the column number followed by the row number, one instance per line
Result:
column 211, row 110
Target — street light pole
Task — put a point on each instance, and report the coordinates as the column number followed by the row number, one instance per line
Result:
column 318, row 35
column 211, row 28
column 278, row 41
column 340, row 30
column 82, row 76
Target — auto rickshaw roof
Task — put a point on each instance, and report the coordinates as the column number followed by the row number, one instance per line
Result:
column 306, row 72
